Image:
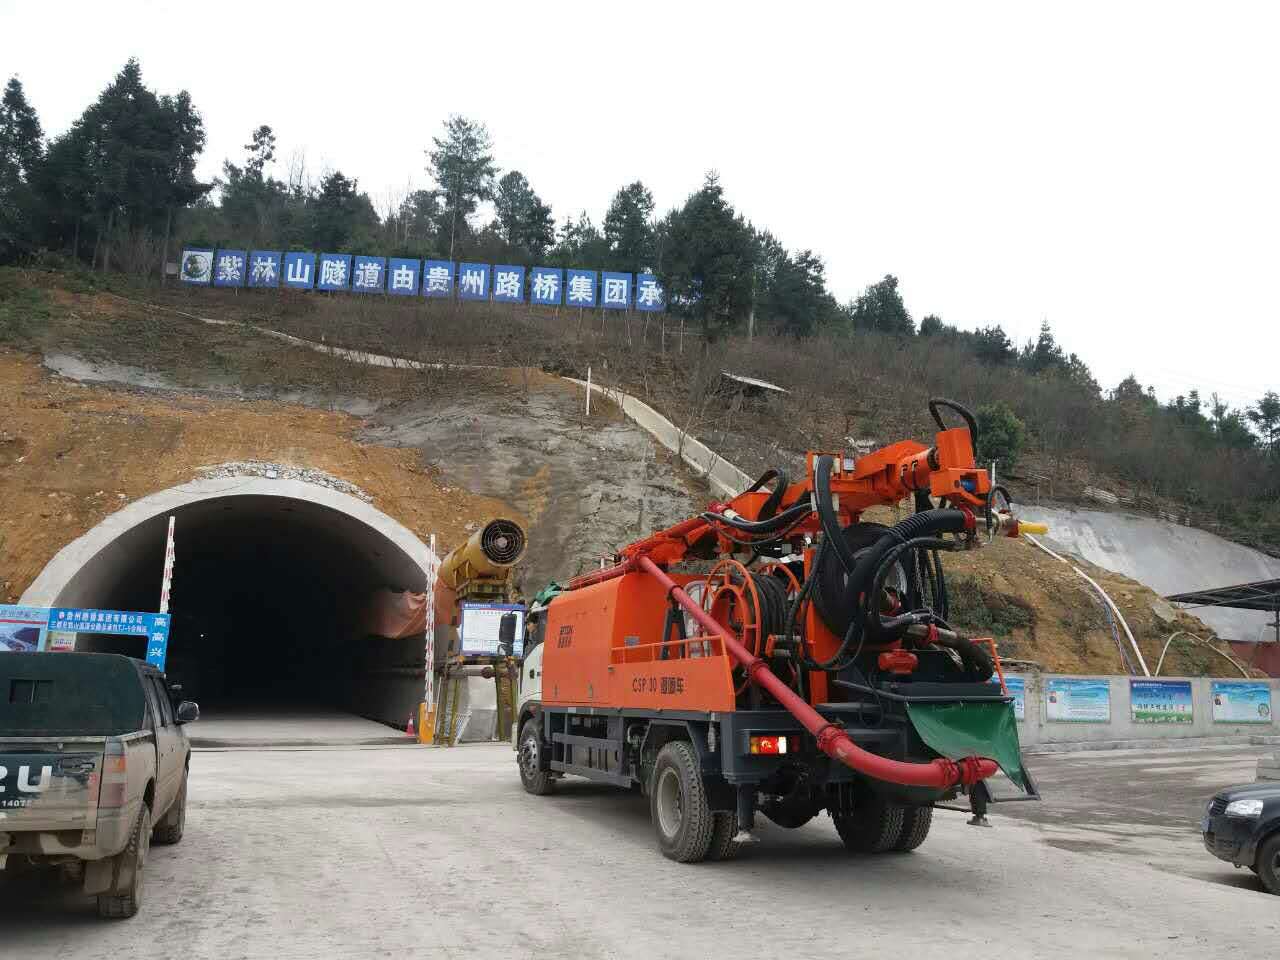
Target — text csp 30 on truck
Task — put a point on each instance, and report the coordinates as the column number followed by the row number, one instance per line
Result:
column 817, row 672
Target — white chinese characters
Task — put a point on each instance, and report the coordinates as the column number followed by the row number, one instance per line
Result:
column 582, row 289
column 333, row 273
column 437, row 279
column 471, row 283
column 230, row 268
column 615, row 291
column 507, row 283
column 263, row 271
column 368, row 275
column 403, row 277
column 546, row 286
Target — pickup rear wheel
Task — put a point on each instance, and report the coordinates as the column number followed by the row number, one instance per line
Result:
column 678, row 805
column 169, row 830
column 537, row 781
column 125, row 896
column 1269, row 864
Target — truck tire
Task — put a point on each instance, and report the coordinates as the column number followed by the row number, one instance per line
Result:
column 537, row 781
column 723, row 830
column 678, row 804
column 125, row 896
column 170, row 829
column 874, row 826
column 916, row 822
column 1269, row 864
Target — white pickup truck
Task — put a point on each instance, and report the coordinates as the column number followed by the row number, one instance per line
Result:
column 93, row 765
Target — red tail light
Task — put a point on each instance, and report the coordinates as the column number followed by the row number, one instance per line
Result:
column 772, row 746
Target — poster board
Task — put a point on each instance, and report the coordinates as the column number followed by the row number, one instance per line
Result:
column 1160, row 701
column 1241, row 702
column 23, row 629
column 479, row 625
column 1077, row 700
column 1017, row 687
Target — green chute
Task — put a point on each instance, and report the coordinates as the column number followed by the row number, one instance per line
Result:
column 958, row 730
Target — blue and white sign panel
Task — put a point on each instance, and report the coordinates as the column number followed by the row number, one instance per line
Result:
column 1077, row 700
column 508, row 284
column 300, row 270
column 153, row 626
column 402, row 277
column 437, row 278
column 615, row 291
column 649, row 295
column 580, row 288
column 229, row 268
column 546, row 286
column 22, row 629
column 196, row 267
column 473, row 281
column 335, row 271
column 264, row 268
column 1239, row 702
column 478, row 631
column 369, row 275
column 1017, row 687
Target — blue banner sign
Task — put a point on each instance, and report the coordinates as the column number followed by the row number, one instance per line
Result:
column 546, row 286
column 473, row 281
column 402, row 277
column 437, row 278
column 1077, row 700
column 649, row 294
column 1241, row 702
column 335, row 271
column 615, row 290
column 369, row 275
column 264, row 268
column 1160, row 701
column 196, row 266
column 153, row 626
column 229, row 268
column 508, row 284
column 580, row 288
column 300, row 270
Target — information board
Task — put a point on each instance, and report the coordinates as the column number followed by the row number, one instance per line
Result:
column 479, row 626
column 1241, row 702
column 1017, row 688
column 22, row 629
column 1160, row 701
column 1077, row 700
column 153, row 626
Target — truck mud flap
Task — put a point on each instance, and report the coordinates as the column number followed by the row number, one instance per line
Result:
column 957, row 730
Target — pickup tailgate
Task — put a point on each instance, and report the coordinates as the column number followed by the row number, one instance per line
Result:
column 49, row 786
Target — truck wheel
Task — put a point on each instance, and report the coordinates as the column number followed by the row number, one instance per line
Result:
column 916, row 822
column 169, row 830
column 1269, row 864
column 873, row 827
column 537, row 781
column 678, row 804
column 126, row 892
column 723, row 830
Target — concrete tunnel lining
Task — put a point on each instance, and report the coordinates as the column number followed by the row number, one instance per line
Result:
column 302, row 556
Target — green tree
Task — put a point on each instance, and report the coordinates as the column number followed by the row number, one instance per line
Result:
column 931, row 325
column 880, row 307
column 992, row 345
column 1230, row 426
column 1265, row 417
column 1043, row 354
column 579, row 244
column 1000, row 435
column 21, row 154
column 523, row 220
column 462, row 166
column 709, row 261
column 628, row 229
column 253, row 203
column 340, row 214
column 791, row 291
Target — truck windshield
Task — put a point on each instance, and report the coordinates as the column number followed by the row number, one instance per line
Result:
column 69, row 694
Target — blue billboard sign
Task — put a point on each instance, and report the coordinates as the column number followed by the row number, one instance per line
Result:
column 473, row 281
column 649, row 296
column 402, row 277
column 437, row 278
column 508, row 284
column 196, row 267
column 580, row 288
column 1235, row 701
column 264, row 268
column 300, row 270
column 546, row 285
column 1160, row 701
column 335, row 271
column 369, row 275
column 153, row 626
column 1017, row 687
column 229, row 268
column 615, row 291
column 1077, row 700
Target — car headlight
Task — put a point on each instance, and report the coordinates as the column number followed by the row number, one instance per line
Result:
column 1244, row 808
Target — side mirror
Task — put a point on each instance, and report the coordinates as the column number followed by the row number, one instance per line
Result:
column 188, row 712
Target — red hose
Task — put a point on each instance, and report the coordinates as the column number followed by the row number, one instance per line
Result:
column 832, row 741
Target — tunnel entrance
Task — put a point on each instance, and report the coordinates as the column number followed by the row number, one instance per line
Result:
column 270, row 595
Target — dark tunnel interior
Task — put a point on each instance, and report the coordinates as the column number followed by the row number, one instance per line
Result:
column 267, row 601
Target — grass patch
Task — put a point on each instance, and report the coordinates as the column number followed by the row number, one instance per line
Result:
column 980, row 610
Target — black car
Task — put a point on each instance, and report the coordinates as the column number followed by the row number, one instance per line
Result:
column 1242, row 826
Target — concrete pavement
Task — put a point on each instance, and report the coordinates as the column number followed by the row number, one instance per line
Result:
column 405, row 852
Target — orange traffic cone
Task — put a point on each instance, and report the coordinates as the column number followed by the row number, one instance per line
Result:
column 408, row 730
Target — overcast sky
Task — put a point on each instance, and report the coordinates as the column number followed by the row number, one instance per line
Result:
column 1110, row 167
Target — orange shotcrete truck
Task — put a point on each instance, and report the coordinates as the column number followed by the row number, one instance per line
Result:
column 778, row 655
